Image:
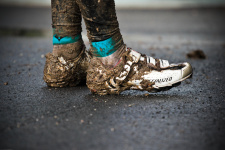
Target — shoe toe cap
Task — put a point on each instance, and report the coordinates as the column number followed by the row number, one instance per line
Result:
column 187, row 70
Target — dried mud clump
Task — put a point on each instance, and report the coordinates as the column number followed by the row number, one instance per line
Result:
column 196, row 54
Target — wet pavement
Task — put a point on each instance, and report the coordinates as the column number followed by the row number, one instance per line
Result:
column 191, row 116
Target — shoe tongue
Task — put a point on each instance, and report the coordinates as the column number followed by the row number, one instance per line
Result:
column 118, row 62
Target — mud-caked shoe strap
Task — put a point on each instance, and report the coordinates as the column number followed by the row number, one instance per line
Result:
column 134, row 58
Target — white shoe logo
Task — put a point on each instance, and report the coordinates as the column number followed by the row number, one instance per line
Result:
column 161, row 80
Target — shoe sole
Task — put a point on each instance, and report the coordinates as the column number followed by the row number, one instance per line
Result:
column 60, row 85
column 66, row 84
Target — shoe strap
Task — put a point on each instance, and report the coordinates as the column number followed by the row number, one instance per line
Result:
column 156, row 62
column 134, row 58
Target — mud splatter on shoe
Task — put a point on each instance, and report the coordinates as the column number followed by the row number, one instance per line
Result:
column 135, row 71
column 60, row 72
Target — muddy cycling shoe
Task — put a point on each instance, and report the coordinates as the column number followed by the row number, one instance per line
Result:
column 60, row 72
column 137, row 72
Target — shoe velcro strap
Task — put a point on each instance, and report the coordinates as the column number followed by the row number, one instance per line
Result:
column 157, row 62
column 164, row 63
column 150, row 60
column 135, row 55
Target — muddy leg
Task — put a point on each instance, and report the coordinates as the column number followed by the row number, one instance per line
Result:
column 67, row 64
column 103, row 29
column 66, row 24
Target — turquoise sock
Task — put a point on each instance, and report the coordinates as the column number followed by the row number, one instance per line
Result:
column 104, row 48
column 65, row 40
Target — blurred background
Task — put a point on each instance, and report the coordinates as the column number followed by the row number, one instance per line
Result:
column 185, row 118
column 132, row 3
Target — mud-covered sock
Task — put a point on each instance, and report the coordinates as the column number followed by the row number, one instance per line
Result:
column 68, row 47
column 112, row 60
column 109, row 51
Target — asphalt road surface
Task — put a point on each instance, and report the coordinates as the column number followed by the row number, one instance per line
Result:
column 191, row 116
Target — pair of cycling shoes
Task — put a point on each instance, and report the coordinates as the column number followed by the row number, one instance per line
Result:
column 134, row 71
